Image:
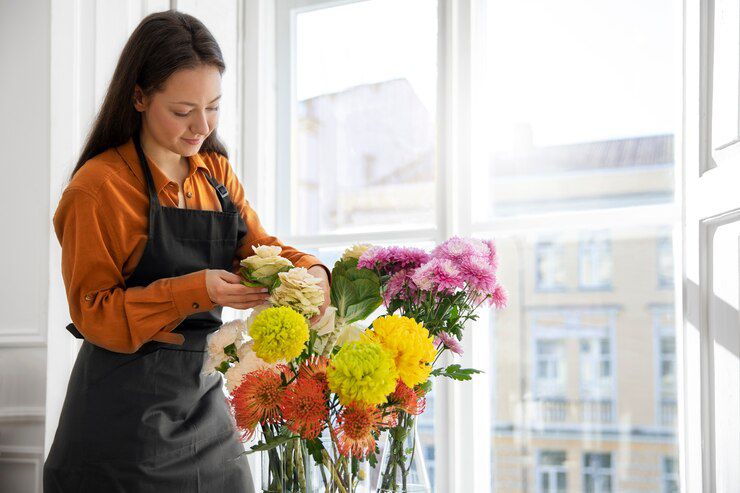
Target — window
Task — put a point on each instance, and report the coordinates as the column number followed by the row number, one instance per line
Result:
column 550, row 266
column 363, row 118
column 597, row 473
column 551, row 473
column 550, row 368
column 670, row 475
column 356, row 131
column 665, row 357
column 576, row 147
column 577, row 188
column 595, row 262
column 596, row 367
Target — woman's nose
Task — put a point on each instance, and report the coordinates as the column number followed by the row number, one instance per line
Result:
column 200, row 126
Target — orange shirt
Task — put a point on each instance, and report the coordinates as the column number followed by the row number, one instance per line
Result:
column 102, row 225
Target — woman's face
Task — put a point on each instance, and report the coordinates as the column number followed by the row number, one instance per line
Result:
column 182, row 115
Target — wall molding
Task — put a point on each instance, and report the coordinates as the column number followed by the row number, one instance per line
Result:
column 25, row 455
column 22, row 414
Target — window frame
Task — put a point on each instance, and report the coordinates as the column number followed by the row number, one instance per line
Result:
column 461, row 140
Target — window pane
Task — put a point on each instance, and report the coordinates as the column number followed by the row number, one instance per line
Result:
column 580, row 108
column 365, row 117
column 571, row 367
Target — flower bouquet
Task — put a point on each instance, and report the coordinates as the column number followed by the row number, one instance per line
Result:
column 322, row 394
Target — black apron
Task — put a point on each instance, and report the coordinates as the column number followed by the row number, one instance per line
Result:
column 150, row 421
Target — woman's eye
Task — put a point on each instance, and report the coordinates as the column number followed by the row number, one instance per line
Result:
column 182, row 114
column 214, row 109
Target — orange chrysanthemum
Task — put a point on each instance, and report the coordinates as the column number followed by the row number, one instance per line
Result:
column 355, row 427
column 314, row 368
column 304, row 407
column 257, row 400
column 408, row 399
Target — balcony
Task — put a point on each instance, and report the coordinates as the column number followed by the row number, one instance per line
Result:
column 557, row 410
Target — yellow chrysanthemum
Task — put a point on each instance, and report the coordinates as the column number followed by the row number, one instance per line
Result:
column 279, row 333
column 409, row 344
column 362, row 371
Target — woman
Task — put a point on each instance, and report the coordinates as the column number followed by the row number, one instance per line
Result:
column 152, row 225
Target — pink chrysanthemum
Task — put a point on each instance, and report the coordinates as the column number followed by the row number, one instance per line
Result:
column 492, row 253
column 479, row 274
column 397, row 286
column 499, row 297
column 449, row 342
column 439, row 273
column 389, row 260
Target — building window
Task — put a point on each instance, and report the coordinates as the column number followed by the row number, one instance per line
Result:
column 549, row 372
column 597, row 473
column 664, row 249
column 550, row 266
column 551, row 473
column 670, row 475
column 665, row 357
column 596, row 370
column 596, row 367
column 595, row 261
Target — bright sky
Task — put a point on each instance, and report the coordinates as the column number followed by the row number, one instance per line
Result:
column 572, row 70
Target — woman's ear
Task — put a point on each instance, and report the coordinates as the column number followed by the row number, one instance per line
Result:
column 139, row 99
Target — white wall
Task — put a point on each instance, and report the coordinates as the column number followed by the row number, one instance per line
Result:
column 24, row 248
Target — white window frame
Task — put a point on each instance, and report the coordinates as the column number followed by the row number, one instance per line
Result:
column 659, row 332
column 548, row 246
column 461, row 140
column 598, row 471
column 551, row 470
column 541, row 387
column 589, row 246
column 459, row 468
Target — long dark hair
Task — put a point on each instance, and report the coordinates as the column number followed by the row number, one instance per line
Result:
column 161, row 44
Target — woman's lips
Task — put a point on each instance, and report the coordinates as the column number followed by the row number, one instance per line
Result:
column 192, row 142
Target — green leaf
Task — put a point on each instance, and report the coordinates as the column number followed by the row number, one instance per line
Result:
column 223, row 367
column 284, row 436
column 355, row 292
column 314, row 447
column 275, row 442
column 455, row 372
column 230, row 350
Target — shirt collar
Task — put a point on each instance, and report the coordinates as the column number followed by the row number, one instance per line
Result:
column 128, row 152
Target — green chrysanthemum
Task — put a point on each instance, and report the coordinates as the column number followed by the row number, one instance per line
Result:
column 279, row 333
column 362, row 371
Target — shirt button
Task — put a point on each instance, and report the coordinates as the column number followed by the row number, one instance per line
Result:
column 189, row 194
column 196, row 305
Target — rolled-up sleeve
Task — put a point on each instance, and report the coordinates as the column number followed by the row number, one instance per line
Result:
column 256, row 234
column 105, row 312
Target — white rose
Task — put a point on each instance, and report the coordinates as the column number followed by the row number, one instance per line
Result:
column 355, row 251
column 266, row 262
column 298, row 290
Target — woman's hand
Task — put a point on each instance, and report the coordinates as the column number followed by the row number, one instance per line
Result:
column 226, row 289
column 318, row 271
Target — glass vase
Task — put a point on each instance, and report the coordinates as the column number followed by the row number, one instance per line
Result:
column 287, row 468
column 338, row 474
column 402, row 469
